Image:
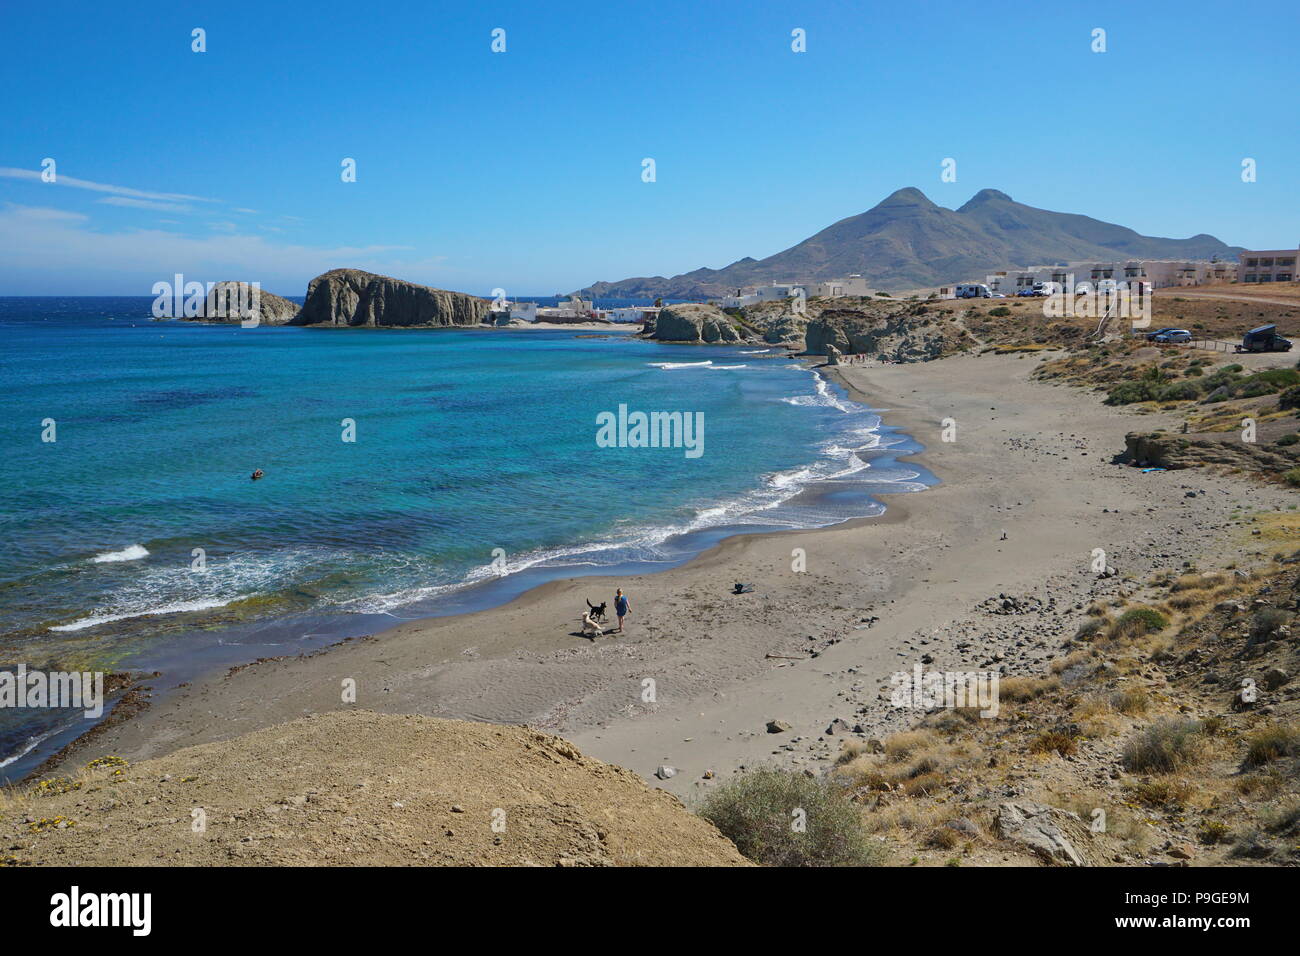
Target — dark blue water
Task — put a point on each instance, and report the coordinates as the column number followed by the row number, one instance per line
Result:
column 136, row 539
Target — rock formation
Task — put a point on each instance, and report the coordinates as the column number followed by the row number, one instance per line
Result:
column 228, row 302
column 694, row 323
column 897, row 337
column 350, row 297
column 1164, row 450
column 1047, row 831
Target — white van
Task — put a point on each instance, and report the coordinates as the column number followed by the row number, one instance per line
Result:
column 973, row 290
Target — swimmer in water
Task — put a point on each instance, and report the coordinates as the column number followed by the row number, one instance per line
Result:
column 257, row 474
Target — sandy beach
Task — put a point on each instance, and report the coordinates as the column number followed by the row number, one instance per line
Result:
column 1030, row 460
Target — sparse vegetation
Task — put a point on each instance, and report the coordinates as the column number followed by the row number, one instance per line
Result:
column 783, row 818
column 1167, row 745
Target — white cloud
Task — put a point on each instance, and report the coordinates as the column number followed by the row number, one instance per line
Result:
column 48, row 251
column 15, row 211
column 62, row 180
column 144, row 204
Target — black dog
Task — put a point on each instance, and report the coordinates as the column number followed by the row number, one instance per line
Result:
column 598, row 610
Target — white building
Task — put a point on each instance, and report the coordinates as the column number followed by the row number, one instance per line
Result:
column 835, row 288
column 1155, row 273
column 1274, row 265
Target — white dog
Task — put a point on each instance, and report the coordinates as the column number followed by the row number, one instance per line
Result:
column 591, row 626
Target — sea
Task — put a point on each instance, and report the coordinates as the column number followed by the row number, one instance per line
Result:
column 406, row 474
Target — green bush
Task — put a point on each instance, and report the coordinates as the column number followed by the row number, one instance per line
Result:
column 1290, row 439
column 1000, row 311
column 1125, row 393
column 1224, row 376
column 757, row 811
column 1165, row 746
column 1279, row 377
column 1193, row 371
column 1254, row 388
column 1290, row 398
column 1138, row 621
column 1179, row 392
column 1292, row 477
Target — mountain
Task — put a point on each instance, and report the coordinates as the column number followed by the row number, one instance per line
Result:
column 907, row 242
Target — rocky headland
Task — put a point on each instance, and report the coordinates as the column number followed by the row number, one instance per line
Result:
column 690, row 322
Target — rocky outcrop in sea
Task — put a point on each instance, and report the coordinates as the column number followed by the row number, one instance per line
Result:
column 230, row 301
column 694, row 323
column 350, row 298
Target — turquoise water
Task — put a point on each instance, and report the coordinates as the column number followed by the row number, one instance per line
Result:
column 469, row 445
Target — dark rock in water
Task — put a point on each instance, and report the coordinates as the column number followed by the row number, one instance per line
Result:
column 350, row 297
column 232, row 301
column 694, row 323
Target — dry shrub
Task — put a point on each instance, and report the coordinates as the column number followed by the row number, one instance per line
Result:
column 1019, row 689
column 1138, row 622
column 908, row 742
column 1268, row 744
column 1130, row 700
column 1053, row 741
column 1167, row 745
column 1198, row 582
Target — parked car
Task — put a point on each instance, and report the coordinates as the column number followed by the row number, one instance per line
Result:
column 973, row 290
column 1027, row 292
column 1173, row 336
column 1151, row 336
column 997, row 295
column 1264, row 339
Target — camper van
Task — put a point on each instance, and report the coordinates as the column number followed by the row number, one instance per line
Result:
column 1264, row 339
column 973, row 290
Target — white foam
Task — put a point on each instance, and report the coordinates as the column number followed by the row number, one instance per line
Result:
column 178, row 608
column 669, row 366
column 31, row 745
column 730, row 366
column 133, row 553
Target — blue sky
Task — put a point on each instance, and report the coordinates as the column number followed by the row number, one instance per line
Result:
column 523, row 169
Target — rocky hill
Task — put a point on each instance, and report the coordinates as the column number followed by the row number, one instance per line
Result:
column 350, row 297
column 226, row 299
column 907, row 241
column 361, row 789
column 694, row 323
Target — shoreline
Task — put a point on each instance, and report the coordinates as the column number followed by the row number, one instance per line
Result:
column 237, row 646
column 807, row 647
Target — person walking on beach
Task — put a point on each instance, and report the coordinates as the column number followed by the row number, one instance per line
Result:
column 620, row 608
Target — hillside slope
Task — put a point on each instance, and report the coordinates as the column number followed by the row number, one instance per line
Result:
column 360, row 788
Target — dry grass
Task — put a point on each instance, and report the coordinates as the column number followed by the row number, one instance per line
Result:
column 1020, row 689
column 1268, row 744
column 1169, row 744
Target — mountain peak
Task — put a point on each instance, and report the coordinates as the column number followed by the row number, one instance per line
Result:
column 986, row 195
column 907, row 196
